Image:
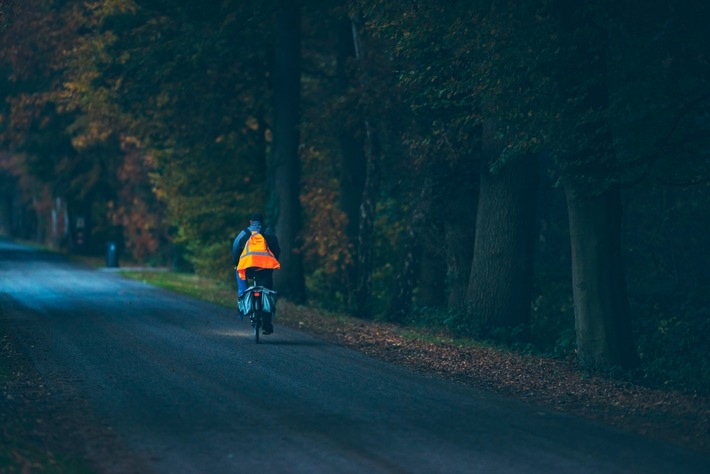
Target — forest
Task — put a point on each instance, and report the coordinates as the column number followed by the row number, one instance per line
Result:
column 531, row 174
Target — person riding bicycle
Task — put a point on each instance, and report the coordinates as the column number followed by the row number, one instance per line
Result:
column 255, row 253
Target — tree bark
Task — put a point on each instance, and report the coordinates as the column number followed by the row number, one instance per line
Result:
column 500, row 284
column 285, row 164
column 363, row 287
column 362, row 305
column 460, row 232
column 352, row 164
column 601, row 309
column 594, row 207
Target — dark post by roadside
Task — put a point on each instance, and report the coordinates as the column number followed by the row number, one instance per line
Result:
column 111, row 255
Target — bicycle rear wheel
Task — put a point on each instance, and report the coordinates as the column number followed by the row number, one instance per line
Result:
column 257, row 326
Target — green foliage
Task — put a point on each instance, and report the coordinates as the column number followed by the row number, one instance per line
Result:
column 667, row 272
column 324, row 292
column 208, row 205
column 210, row 259
column 673, row 348
column 483, row 61
column 387, row 240
column 552, row 322
column 458, row 324
column 454, row 320
column 551, row 332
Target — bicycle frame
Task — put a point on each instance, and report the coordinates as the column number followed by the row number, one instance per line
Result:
column 255, row 315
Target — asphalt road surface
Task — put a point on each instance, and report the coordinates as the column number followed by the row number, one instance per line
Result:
column 184, row 389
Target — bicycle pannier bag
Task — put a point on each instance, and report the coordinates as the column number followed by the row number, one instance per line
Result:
column 268, row 300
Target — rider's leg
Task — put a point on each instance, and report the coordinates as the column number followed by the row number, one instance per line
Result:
column 265, row 278
column 241, row 286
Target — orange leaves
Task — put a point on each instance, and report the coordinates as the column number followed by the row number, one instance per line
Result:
column 105, row 8
column 324, row 242
column 138, row 210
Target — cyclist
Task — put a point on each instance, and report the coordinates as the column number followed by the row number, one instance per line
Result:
column 255, row 254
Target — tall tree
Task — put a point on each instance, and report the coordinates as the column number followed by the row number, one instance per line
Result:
column 602, row 316
column 285, row 164
column 407, row 278
column 500, row 284
column 373, row 156
column 352, row 147
column 461, row 207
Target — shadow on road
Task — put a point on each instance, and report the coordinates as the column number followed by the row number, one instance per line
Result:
column 276, row 342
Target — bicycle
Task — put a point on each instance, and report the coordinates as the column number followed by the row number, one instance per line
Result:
column 258, row 302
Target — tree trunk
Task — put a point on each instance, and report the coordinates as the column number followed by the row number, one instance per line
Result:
column 407, row 279
column 431, row 292
column 363, row 286
column 285, row 165
column 352, row 164
column 594, row 207
column 500, row 284
column 373, row 156
column 449, row 237
column 460, row 232
column 601, row 309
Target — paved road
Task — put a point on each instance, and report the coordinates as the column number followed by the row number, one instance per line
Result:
column 185, row 390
